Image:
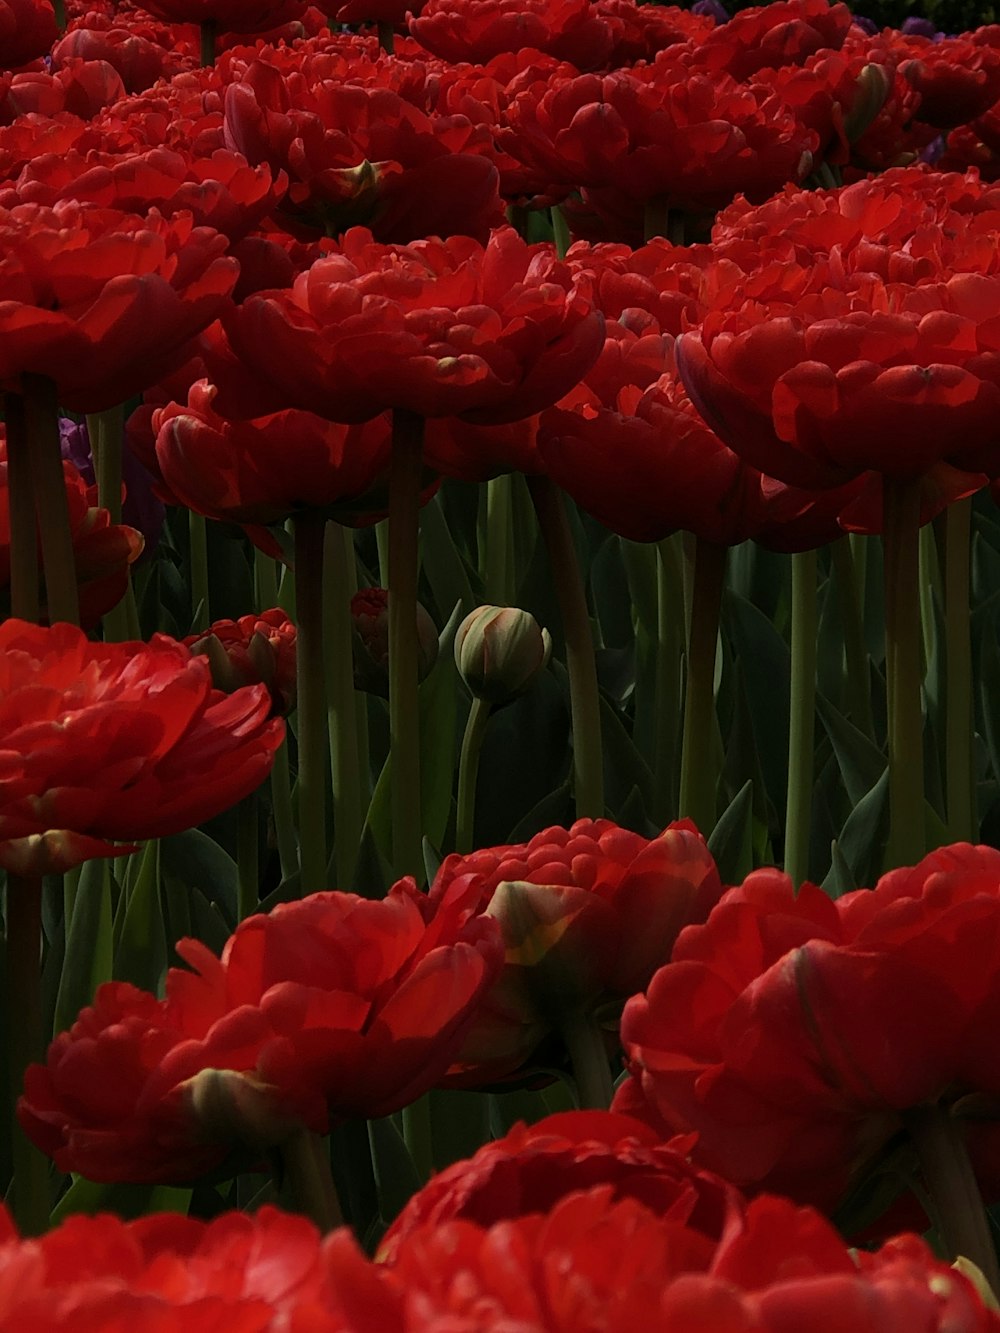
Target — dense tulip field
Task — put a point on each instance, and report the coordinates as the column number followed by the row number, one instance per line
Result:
column 499, row 668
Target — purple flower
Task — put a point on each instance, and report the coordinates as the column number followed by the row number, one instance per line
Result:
column 712, row 8
column 141, row 509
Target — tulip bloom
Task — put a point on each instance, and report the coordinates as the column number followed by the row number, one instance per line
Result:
column 116, row 742
column 252, row 650
column 328, row 1008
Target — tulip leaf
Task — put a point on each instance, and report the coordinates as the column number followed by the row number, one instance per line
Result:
column 443, row 564
column 556, row 808
column 766, row 672
column 89, row 952
column 860, row 760
column 731, row 841
column 396, row 1177
column 863, row 837
column 460, row 1123
column 89, row 1197
column 193, row 858
column 989, row 695
column 839, row 880
column 141, row 954
column 610, row 588
column 624, row 766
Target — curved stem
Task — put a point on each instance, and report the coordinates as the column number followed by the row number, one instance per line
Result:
column 311, row 705
column 859, row 693
column 585, row 702
column 25, row 1042
column 803, row 715
column 698, row 776
column 588, row 1057
column 963, row 826
column 404, row 701
column 468, row 770
column 24, row 600
column 961, row 1218
column 348, row 814
column 903, row 646
column 306, row 1170
column 41, row 412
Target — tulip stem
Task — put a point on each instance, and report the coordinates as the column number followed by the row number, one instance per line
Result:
column 25, row 1042
column 801, row 725
column 405, row 472
column 588, row 1057
column 41, row 412
column 468, row 771
column 418, row 1136
column 105, row 430
column 201, row 616
column 386, row 36
column 859, row 693
column 962, row 1223
column 669, row 614
column 24, row 602
column 311, row 699
column 963, row 825
column 248, row 856
column 339, row 581
column 901, row 539
column 496, row 569
column 698, row 775
column 208, row 43
column 581, row 665
column 305, row 1162
column 282, row 812
column 561, row 237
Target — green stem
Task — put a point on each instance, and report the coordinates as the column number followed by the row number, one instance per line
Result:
column 348, row 813
column 901, row 539
column 283, row 813
column 418, row 1136
column 382, row 545
column 698, row 775
column 560, row 232
column 963, row 825
column 105, row 430
column 669, row 615
column 496, row 569
column 588, row 1057
column 41, row 411
column 585, row 701
column 26, row 1043
column 802, row 719
column 386, row 37
column 307, row 1177
column 859, row 693
column 468, row 771
column 930, row 591
column 201, row 614
column 207, row 43
column 248, row 856
column 265, row 580
column 656, row 218
column 962, row 1222
column 59, row 6
column 311, row 706
column 24, row 600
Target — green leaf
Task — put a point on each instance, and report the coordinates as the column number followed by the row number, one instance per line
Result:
column 89, row 951
column 731, row 841
column 460, row 1123
column 443, row 564
column 141, row 955
column 624, row 766
column 396, row 1177
column 839, row 880
column 766, row 673
column 860, row 760
column 863, row 837
column 196, row 860
column 127, row 1201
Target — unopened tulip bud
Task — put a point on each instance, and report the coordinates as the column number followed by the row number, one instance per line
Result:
column 234, row 1106
column 873, row 85
column 370, row 613
column 499, row 650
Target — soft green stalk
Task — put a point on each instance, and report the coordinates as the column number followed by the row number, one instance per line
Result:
column 201, row 611
column 468, row 771
column 858, row 684
column 382, row 545
column 669, row 627
column 311, row 706
column 207, row 43
column 656, row 218
column 24, row 601
column 588, row 1057
column 265, row 579
column 803, row 715
column 699, row 776
column 405, row 474
column 930, row 582
column 956, row 1202
column 25, row 1038
column 105, row 430
column 560, row 232
column 248, row 855
column 41, row 412
column 348, row 811
column 386, row 37
column 497, row 568
column 963, row 824
column 305, row 1163
column 581, row 666
column 903, row 645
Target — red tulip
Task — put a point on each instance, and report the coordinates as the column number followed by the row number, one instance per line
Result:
column 250, row 651
column 27, row 30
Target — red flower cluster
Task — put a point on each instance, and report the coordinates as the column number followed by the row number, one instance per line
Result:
column 254, row 650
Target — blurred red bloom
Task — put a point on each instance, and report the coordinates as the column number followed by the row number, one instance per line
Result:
column 772, row 36
column 102, row 301
column 102, row 550
column 531, row 1168
column 794, row 1034
column 957, row 79
column 27, row 30
column 80, row 88
column 139, row 59
column 324, row 1009
column 254, row 650
column 572, row 30
column 116, row 742
column 585, row 913
column 441, row 328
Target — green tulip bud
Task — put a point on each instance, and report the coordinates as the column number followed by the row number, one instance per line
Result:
column 499, row 651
